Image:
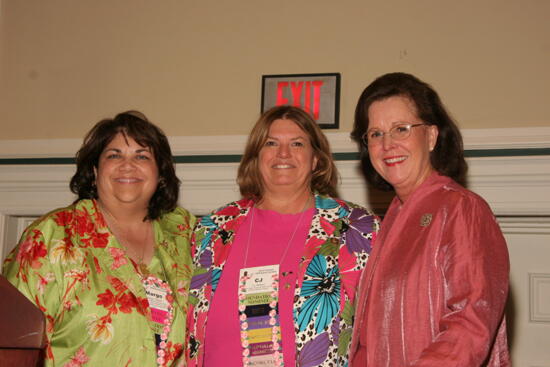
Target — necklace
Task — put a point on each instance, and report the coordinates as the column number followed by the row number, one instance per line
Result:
column 122, row 238
column 289, row 241
column 159, row 293
column 273, row 300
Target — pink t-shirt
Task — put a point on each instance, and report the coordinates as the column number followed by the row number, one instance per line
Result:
column 270, row 235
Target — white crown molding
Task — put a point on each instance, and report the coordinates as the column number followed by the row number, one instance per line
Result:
column 512, row 138
column 512, row 185
column 525, row 225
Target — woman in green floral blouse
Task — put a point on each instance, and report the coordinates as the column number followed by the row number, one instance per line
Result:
column 111, row 271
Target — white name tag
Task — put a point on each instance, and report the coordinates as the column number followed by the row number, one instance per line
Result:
column 259, row 317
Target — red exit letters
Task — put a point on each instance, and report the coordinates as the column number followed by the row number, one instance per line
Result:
column 312, row 88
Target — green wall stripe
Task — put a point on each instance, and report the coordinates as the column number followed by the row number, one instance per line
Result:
column 235, row 158
column 506, row 152
column 39, row 161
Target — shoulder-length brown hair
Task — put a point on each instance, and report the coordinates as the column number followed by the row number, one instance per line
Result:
column 323, row 179
column 132, row 124
column 447, row 157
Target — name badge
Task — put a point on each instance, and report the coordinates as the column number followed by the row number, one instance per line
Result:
column 158, row 304
column 259, row 317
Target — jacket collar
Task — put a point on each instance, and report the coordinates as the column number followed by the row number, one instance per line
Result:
column 327, row 212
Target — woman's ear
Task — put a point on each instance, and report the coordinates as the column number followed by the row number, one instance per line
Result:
column 433, row 133
column 314, row 163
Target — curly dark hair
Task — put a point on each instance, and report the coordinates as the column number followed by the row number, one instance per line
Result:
column 325, row 176
column 447, row 157
column 132, row 124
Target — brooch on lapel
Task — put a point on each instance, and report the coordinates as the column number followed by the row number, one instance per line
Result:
column 426, row 220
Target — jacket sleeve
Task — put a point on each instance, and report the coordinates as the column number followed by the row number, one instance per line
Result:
column 475, row 267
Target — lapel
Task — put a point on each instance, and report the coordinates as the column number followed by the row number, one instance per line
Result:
column 327, row 214
column 172, row 263
column 365, row 280
column 228, row 225
column 408, row 214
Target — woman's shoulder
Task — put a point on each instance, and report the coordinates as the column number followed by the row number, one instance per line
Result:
column 452, row 188
column 62, row 217
column 177, row 220
column 456, row 196
column 227, row 217
column 45, row 233
column 237, row 204
column 349, row 212
column 327, row 202
column 232, row 209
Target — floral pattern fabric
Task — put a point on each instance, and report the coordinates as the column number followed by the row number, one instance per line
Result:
column 71, row 266
column 336, row 250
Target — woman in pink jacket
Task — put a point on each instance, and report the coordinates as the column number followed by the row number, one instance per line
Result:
column 435, row 286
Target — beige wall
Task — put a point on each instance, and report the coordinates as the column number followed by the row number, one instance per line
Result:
column 194, row 67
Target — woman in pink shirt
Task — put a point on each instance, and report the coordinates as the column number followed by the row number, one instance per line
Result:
column 434, row 289
column 276, row 272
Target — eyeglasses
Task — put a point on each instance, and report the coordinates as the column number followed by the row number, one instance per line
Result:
column 398, row 132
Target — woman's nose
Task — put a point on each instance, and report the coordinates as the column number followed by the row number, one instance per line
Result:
column 127, row 164
column 283, row 151
column 387, row 141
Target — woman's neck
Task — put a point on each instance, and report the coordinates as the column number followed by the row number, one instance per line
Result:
column 133, row 233
column 123, row 215
column 286, row 203
column 403, row 193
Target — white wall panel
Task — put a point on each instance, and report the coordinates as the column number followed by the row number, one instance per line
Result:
column 529, row 246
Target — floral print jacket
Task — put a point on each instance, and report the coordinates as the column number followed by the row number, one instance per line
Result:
column 70, row 265
column 336, row 250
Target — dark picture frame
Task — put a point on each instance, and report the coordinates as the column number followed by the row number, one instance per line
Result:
column 317, row 94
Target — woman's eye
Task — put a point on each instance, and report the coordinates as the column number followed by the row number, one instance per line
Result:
column 297, row 144
column 113, row 156
column 375, row 134
column 401, row 129
column 143, row 157
column 270, row 143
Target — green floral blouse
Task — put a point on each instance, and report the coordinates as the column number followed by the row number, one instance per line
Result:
column 72, row 267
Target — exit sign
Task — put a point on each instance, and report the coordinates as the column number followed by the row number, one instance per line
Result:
column 317, row 94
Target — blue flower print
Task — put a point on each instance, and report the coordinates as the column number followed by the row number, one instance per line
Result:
column 207, row 222
column 342, row 212
column 325, row 203
column 322, row 295
column 216, row 274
